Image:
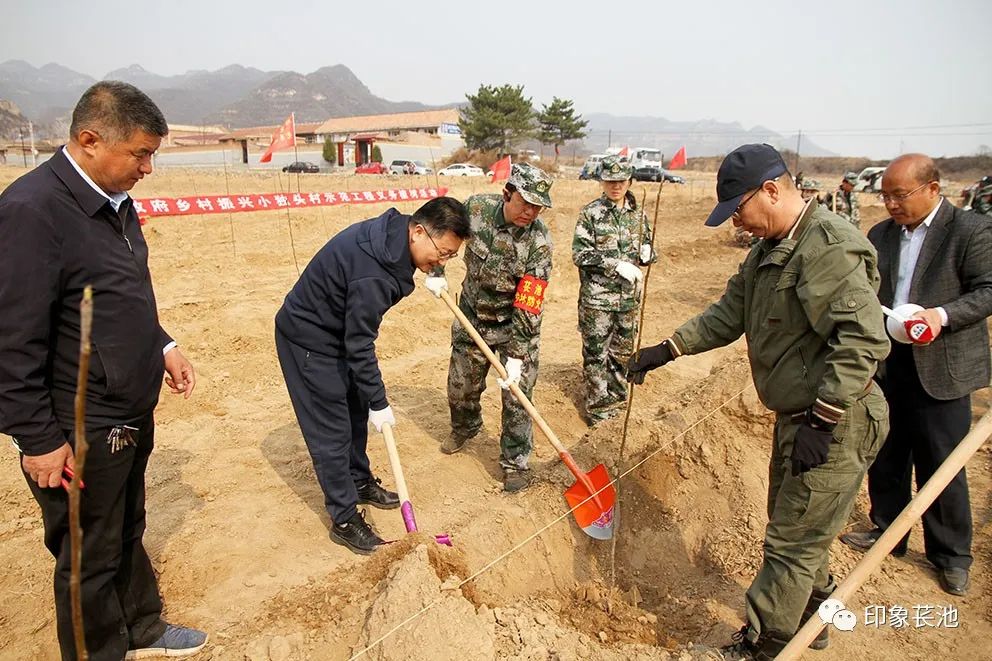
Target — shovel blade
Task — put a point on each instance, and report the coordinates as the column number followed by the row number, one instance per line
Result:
column 595, row 519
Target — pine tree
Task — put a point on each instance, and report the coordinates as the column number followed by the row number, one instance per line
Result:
column 559, row 123
column 376, row 154
column 330, row 152
column 496, row 118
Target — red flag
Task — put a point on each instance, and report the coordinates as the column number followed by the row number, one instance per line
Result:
column 281, row 139
column 625, row 152
column 678, row 161
column 500, row 169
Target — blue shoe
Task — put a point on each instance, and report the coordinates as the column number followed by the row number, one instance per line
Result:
column 175, row 643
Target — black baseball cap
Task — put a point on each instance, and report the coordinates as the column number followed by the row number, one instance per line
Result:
column 744, row 169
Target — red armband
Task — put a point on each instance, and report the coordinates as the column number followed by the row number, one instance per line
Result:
column 530, row 294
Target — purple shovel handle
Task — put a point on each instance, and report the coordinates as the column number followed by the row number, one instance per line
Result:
column 408, row 519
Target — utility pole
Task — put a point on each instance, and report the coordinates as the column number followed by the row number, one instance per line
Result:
column 34, row 152
column 609, row 139
column 799, row 142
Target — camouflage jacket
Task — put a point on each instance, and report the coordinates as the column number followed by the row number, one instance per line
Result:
column 605, row 235
column 847, row 206
column 497, row 259
column 809, row 310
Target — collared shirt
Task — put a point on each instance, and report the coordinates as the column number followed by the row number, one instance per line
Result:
column 116, row 200
column 910, row 245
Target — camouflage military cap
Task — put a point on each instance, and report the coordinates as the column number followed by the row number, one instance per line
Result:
column 613, row 169
column 851, row 177
column 810, row 184
column 533, row 183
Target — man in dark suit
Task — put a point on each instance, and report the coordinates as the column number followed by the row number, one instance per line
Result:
column 67, row 224
column 935, row 255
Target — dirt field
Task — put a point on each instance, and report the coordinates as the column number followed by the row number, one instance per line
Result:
column 239, row 536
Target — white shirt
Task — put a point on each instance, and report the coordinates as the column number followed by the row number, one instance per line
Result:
column 910, row 245
column 116, row 200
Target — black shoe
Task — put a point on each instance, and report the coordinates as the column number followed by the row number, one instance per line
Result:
column 954, row 580
column 371, row 493
column 514, row 480
column 863, row 541
column 764, row 648
column 356, row 534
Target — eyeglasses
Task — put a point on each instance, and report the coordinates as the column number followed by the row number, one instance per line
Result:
column 901, row 197
column 442, row 256
column 740, row 207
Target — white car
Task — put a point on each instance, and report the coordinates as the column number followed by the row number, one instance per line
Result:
column 461, row 170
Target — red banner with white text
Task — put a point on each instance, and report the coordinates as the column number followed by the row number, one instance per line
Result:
column 152, row 207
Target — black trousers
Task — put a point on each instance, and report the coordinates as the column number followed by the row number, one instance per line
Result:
column 121, row 604
column 333, row 416
column 924, row 431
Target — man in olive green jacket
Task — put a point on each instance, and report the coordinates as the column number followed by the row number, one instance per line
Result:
column 805, row 299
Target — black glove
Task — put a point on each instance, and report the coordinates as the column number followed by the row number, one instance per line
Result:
column 812, row 444
column 648, row 359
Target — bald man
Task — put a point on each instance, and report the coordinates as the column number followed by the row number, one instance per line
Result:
column 935, row 255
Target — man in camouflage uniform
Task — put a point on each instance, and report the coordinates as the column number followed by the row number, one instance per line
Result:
column 612, row 239
column 508, row 265
column 847, row 199
column 810, row 188
column 805, row 299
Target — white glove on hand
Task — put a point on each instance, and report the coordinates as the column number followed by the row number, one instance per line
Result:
column 514, row 367
column 645, row 253
column 381, row 417
column 629, row 272
column 436, row 284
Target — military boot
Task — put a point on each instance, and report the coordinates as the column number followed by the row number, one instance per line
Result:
column 457, row 440
column 514, row 479
column 749, row 647
column 356, row 534
column 372, row 493
column 815, row 599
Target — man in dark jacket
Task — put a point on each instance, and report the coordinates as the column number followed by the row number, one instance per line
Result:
column 940, row 257
column 325, row 339
column 64, row 225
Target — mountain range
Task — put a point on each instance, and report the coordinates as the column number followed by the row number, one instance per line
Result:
column 238, row 96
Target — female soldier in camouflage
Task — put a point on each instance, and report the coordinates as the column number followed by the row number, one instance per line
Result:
column 612, row 239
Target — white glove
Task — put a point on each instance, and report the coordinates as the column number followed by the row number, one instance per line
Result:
column 629, row 272
column 436, row 284
column 645, row 253
column 381, row 417
column 514, row 367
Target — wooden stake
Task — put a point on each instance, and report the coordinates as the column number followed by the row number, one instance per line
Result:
column 895, row 532
column 80, row 451
column 630, row 392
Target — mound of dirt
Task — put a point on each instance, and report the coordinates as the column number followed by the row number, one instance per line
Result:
column 449, row 627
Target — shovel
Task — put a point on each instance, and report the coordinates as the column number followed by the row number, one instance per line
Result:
column 406, row 507
column 592, row 495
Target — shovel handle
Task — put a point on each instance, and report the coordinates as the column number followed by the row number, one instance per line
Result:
column 394, row 462
column 566, row 457
column 494, row 361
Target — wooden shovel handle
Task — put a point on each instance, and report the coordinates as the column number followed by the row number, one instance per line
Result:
column 895, row 532
column 394, row 462
column 494, row 361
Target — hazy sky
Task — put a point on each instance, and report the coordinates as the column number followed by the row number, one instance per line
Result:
column 838, row 70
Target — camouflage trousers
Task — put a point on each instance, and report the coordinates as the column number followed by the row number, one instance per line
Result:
column 607, row 343
column 467, row 373
column 806, row 513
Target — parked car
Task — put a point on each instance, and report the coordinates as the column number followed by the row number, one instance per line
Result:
column 371, row 168
column 403, row 166
column 870, row 180
column 590, row 170
column 461, row 170
column 301, row 166
column 652, row 173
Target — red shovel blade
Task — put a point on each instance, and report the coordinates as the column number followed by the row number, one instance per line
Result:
column 595, row 518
